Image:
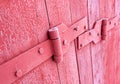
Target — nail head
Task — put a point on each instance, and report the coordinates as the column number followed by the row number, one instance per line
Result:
column 19, row 73
column 41, row 50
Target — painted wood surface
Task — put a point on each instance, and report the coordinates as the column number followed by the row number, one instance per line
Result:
column 59, row 12
column 110, row 46
column 117, row 12
column 24, row 24
column 96, row 50
column 104, row 53
column 79, row 10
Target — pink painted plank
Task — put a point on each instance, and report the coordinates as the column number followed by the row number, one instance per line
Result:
column 118, row 58
column 96, row 51
column 110, row 46
column 59, row 12
column 23, row 24
column 117, row 12
column 103, row 58
column 79, row 10
column 21, row 32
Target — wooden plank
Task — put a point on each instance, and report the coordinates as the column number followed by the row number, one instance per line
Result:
column 79, row 10
column 23, row 24
column 103, row 58
column 109, row 56
column 117, row 12
column 118, row 58
column 59, row 12
column 93, row 12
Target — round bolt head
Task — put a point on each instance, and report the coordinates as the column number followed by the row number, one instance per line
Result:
column 98, row 34
column 18, row 73
column 81, row 45
column 41, row 50
column 110, row 22
column 76, row 28
column 89, row 33
column 64, row 42
column 85, row 27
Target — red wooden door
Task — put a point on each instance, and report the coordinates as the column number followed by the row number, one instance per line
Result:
column 25, row 24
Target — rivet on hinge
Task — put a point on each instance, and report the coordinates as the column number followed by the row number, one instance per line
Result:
column 18, row 73
column 98, row 34
column 41, row 50
column 89, row 33
column 65, row 42
column 110, row 22
column 81, row 45
column 85, row 28
column 56, row 42
column 104, row 29
column 76, row 28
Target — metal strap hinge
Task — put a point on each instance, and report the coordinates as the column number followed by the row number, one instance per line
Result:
column 98, row 33
column 57, row 44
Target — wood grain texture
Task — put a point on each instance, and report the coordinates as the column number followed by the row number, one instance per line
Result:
column 93, row 12
column 104, row 53
column 118, row 57
column 78, row 11
column 59, row 12
column 117, row 12
column 23, row 24
column 110, row 45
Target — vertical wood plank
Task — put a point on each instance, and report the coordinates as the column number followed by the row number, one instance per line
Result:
column 23, row 24
column 93, row 12
column 110, row 45
column 103, row 57
column 78, row 11
column 59, row 12
column 117, row 12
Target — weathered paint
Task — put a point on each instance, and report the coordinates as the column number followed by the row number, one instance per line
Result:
column 24, row 24
column 79, row 10
column 117, row 12
column 93, row 6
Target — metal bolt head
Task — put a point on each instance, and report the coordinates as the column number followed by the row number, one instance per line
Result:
column 98, row 34
column 76, row 28
column 18, row 73
column 81, row 45
column 41, row 50
column 85, row 27
column 110, row 22
column 89, row 33
column 64, row 42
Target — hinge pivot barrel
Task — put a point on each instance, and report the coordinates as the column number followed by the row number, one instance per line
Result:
column 56, row 42
column 104, row 29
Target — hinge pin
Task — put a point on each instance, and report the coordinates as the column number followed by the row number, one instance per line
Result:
column 104, row 29
column 56, row 42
